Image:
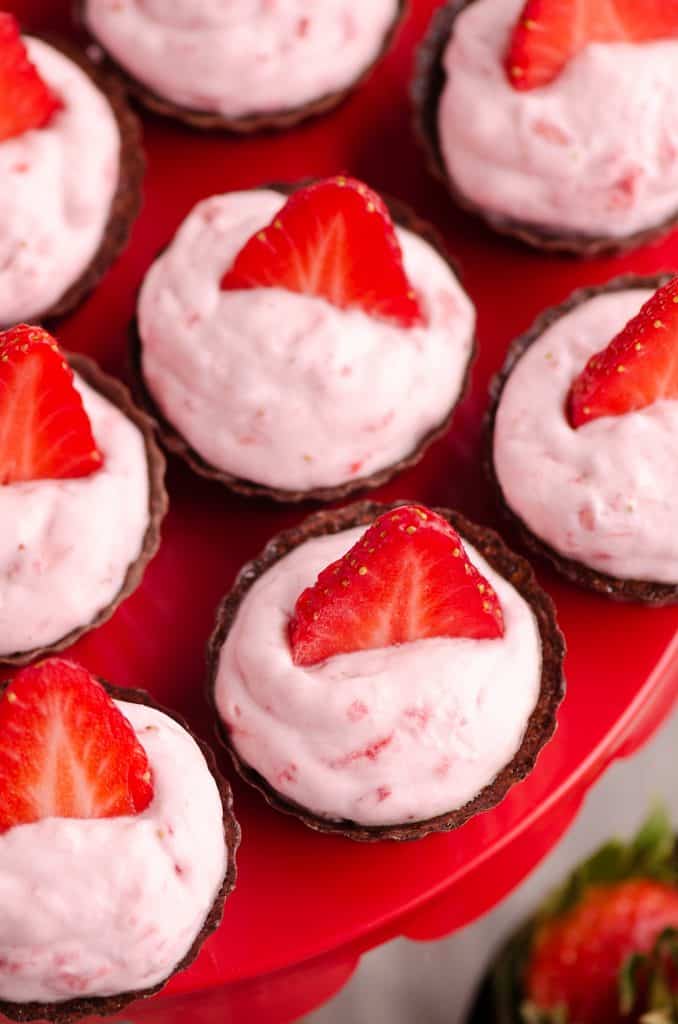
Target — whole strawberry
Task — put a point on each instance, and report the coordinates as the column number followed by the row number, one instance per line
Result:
column 603, row 949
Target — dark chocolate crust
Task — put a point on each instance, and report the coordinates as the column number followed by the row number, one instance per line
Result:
column 158, row 501
column 247, row 124
column 128, row 196
column 427, row 88
column 177, row 445
column 542, row 722
column 102, row 1006
column 644, row 591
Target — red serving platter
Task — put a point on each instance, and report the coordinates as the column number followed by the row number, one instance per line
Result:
column 306, row 906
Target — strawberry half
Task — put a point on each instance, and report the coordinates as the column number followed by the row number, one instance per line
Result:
column 334, row 239
column 549, row 33
column 638, row 367
column 26, row 102
column 407, row 578
column 44, row 430
column 66, row 751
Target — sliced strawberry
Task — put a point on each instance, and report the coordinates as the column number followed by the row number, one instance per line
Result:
column 334, row 239
column 638, row 367
column 26, row 102
column 66, row 751
column 549, row 33
column 44, row 430
column 407, row 578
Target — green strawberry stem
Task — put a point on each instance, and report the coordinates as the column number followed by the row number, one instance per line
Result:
column 651, row 979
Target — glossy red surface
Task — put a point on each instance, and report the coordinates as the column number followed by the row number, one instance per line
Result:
column 307, row 905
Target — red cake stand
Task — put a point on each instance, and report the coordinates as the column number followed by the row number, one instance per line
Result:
column 307, row 906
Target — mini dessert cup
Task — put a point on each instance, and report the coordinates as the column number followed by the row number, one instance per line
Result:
column 204, row 86
column 533, row 197
column 321, row 737
column 63, row 235
column 389, row 432
column 596, row 502
column 166, row 830
column 38, row 593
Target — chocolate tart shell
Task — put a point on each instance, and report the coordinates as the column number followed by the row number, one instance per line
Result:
column 644, row 591
column 128, row 196
column 177, row 445
column 247, row 124
column 102, row 1006
column 542, row 722
column 158, row 502
column 427, row 88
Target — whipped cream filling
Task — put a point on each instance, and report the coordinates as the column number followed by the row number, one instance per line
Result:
column 595, row 151
column 605, row 494
column 285, row 389
column 56, row 189
column 106, row 906
column 66, row 545
column 379, row 737
column 244, row 56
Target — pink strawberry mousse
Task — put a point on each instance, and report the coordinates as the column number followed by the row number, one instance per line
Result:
column 245, row 56
column 66, row 545
column 106, row 906
column 56, row 188
column 288, row 390
column 593, row 152
column 383, row 736
column 606, row 493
